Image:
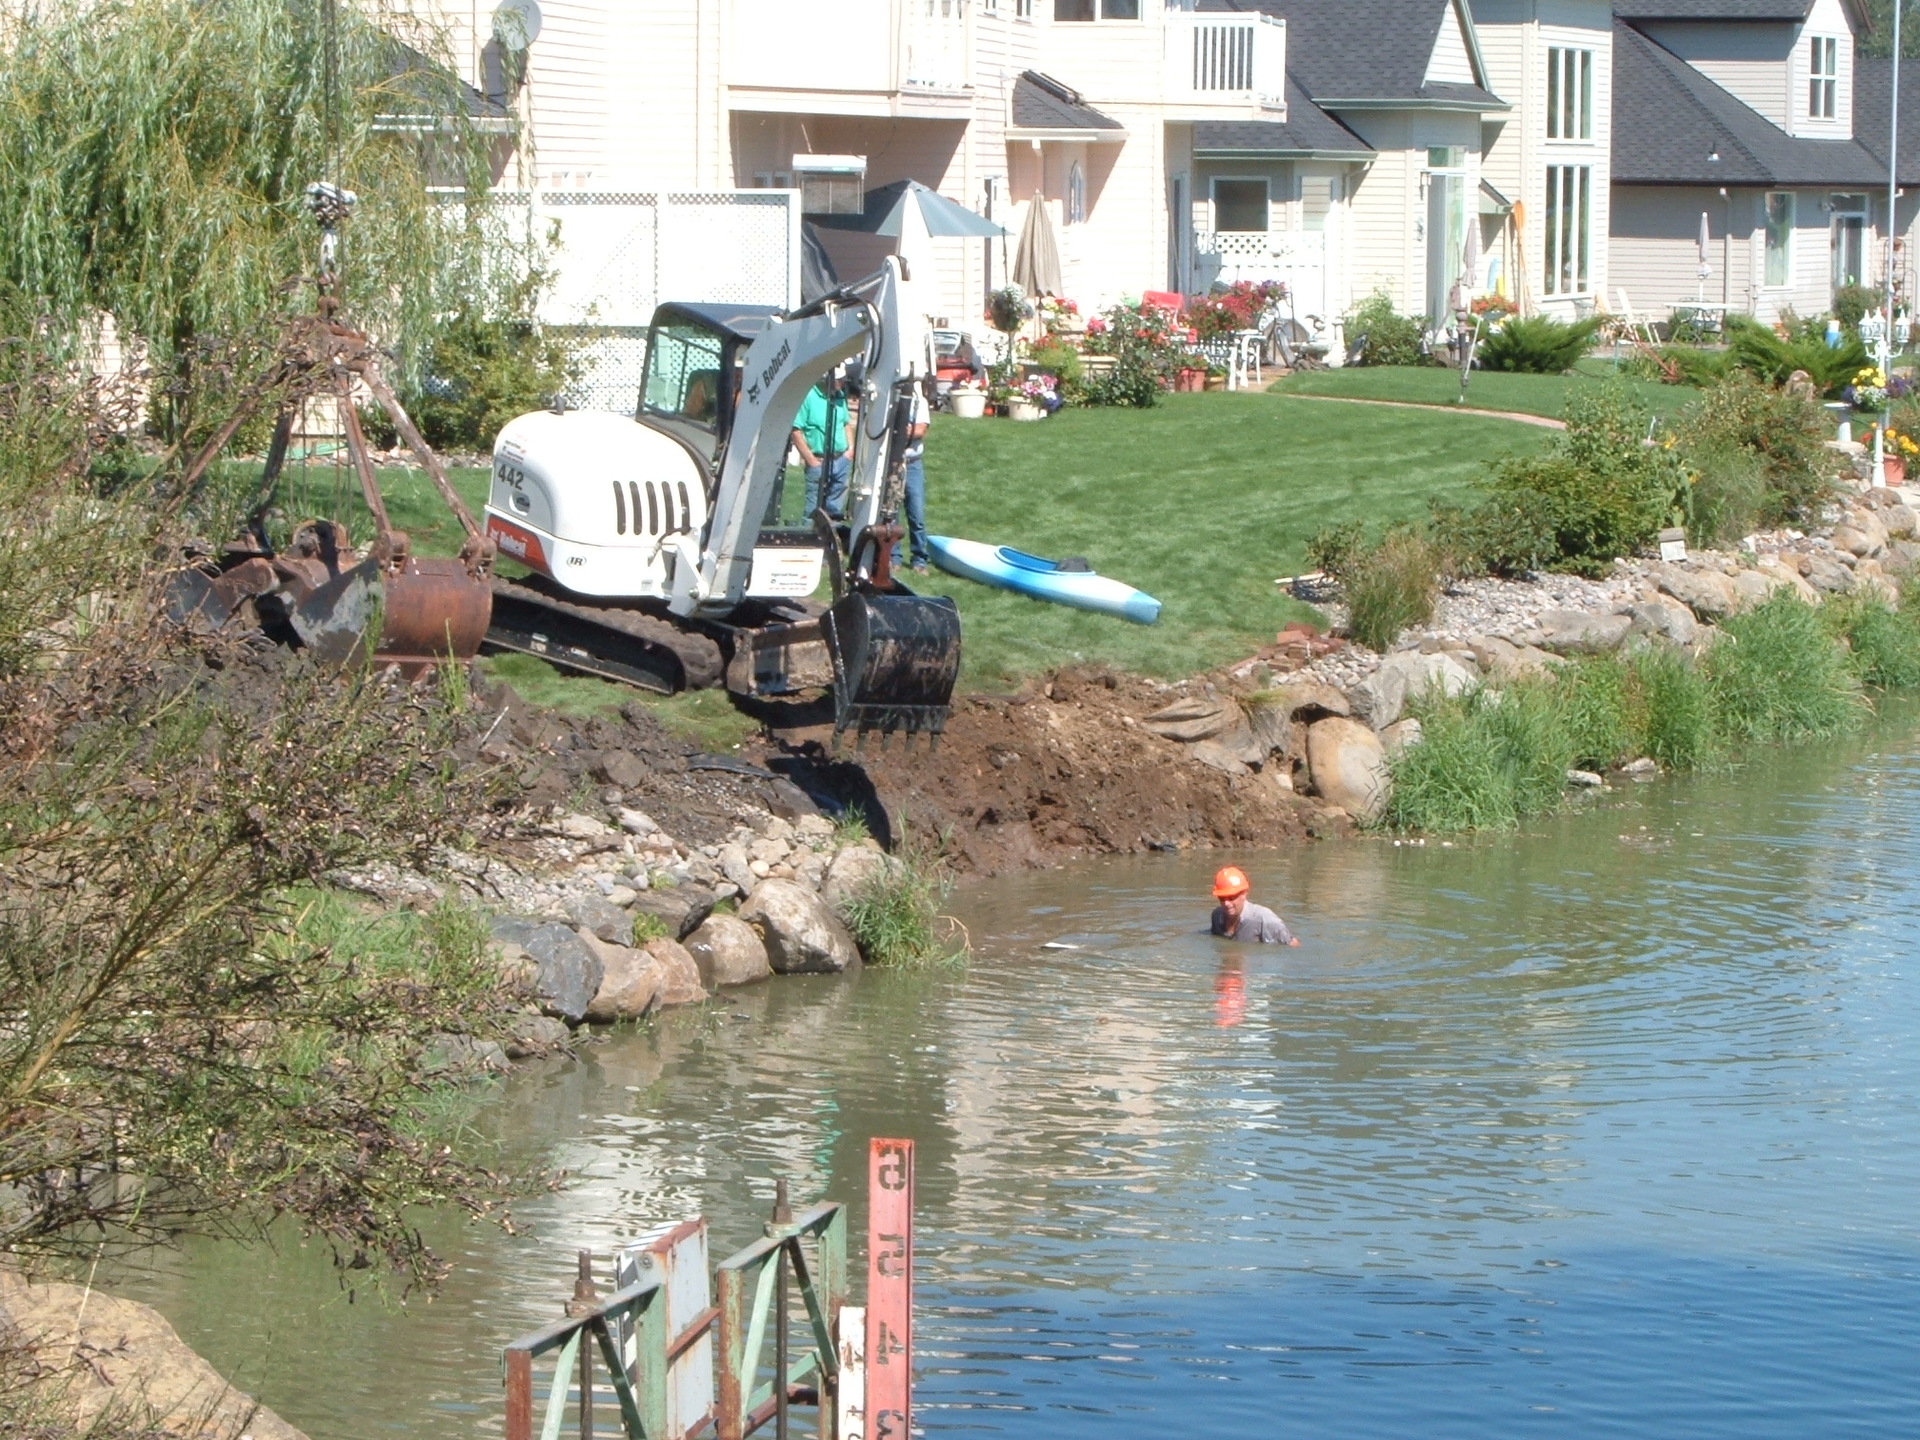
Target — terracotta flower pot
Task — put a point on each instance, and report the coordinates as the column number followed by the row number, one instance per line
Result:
column 1893, row 470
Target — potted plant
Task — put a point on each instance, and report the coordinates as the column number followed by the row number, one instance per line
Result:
column 967, row 400
column 1216, row 378
column 1898, row 450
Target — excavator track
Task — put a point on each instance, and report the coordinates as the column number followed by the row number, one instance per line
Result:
column 615, row 642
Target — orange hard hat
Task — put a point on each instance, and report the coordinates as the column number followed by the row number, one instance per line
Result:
column 1230, row 880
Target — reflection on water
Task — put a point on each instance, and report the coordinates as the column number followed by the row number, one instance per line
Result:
column 1603, row 1129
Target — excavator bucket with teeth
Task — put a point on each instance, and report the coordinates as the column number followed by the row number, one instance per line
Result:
column 895, row 659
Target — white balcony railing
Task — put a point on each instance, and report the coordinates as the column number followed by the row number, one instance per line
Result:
column 937, row 44
column 1222, row 59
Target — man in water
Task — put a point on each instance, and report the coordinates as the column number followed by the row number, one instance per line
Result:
column 1238, row 918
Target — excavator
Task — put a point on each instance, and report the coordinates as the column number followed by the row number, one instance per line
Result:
column 654, row 541
column 654, row 545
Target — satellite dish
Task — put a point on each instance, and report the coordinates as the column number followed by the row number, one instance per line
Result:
column 516, row 24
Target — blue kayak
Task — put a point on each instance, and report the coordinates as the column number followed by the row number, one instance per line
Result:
column 1064, row 582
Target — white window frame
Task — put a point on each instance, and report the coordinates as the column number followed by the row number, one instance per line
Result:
column 1569, row 93
column 1100, row 15
column 1567, row 240
column 1785, row 251
column 1076, row 206
column 1213, row 204
column 1823, row 78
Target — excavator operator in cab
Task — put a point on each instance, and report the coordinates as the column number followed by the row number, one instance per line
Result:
column 1238, row 918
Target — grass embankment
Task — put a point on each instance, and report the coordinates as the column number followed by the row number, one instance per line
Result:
column 1781, row 672
column 1200, row 501
column 1544, row 395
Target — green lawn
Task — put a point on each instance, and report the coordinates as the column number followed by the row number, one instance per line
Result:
column 1487, row 390
column 1200, row 501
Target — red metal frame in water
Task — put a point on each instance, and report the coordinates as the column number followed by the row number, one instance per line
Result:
column 889, row 1379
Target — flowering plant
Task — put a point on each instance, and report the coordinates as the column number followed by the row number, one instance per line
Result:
column 1058, row 315
column 1096, row 326
column 1494, row 307
column 1008, row 308
column 1896, row 444
column 1241, row 306
column 1868, row 391
column 1039, row 388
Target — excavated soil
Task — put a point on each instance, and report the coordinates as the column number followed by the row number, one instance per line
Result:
column 1061, row 770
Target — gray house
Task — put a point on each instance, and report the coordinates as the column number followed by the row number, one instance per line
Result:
column 1750, row 122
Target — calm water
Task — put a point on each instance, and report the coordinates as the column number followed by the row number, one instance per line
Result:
column 1609, row 1128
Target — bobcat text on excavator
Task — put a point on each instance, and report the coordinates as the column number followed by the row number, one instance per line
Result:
column 654, row 541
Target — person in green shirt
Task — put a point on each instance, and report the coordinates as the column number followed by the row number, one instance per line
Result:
column 823, row 435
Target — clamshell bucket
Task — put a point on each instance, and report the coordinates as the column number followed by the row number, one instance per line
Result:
column 421, row 611
column 895, row 659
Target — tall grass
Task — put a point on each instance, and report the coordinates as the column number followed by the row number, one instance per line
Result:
column 896, row 918
column 1782, row 671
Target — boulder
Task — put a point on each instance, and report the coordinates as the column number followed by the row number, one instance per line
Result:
column 1665, row 620
column 598, row 915
column 728, row 951
column 528, row 1035
column 620, row 768
column 1584, row 779
column 802, row 935
column 1708, row 593
column 680, row 908
column 1776, row 569
column 1826, row 574
column 637, row 822
column 1401, row 735
column 1276, row 716
column 1865, row 533
column 566, row 969
column 1901, row 521
column 1755, row 587
column 575, row 826
column 445, row 1054
column 134, row 1367
column 1217, row 755
column 1348, row 765
column 1382, row 696
column 852, row 870
column 679, row 977
column 1579, row 632
column 1199, row 718
column 736, row 866
column 630, row 984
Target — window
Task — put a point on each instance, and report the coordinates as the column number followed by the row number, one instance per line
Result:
column 1569, row 211
column 1076, row 195
column 1823, row 84
column 683, row 373
column 1094, row 9
column 1849, row 239
column 1779, row 237
column 1240, row 205
column 1023, row 9
column 1569, row 94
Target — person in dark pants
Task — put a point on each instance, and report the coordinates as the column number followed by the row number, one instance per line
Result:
column 916, row 477
column 823, row 436
column 1238, row 918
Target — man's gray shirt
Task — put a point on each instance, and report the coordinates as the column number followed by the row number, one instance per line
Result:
column 1258, row 925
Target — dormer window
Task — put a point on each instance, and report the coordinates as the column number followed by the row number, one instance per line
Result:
column 1823, row 83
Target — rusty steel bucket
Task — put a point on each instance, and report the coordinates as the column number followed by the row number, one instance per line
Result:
column 422, row 611
column 895, row 659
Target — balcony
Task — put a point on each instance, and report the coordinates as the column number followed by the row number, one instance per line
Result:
column 1220, row 62
column 850, row 57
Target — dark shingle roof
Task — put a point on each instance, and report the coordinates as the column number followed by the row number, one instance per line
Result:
column 1872, row 84
column 1668, row 119
column 1308, row 130
column 1793, row 10
column 1366, row 50
column 1041, row 102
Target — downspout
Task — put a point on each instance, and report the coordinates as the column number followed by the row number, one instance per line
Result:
column 1726, row 254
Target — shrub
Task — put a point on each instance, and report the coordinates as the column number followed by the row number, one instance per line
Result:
column 1537, row 345
column 1231, row 308
column 1387, row 585
column 1853, row 303
column 1774, row 358
column 1785, row 432
column 1726, row 491
column 481, row 374
column 1379, row 335
column 1145, row 351
column 1486, row 760
column 1062, row 361
column 1504, row 534
column 1778, row 674
column 1601, row 489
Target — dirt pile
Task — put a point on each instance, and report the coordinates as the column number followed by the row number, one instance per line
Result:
column 1066, row 768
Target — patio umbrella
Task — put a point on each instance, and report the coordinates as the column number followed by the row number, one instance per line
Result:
column 1469, row 268
column 1706, row 238
column 1036, row 260
column 886, row 213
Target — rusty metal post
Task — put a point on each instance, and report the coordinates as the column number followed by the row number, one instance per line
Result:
column 585, row 1298
column 519, row 1395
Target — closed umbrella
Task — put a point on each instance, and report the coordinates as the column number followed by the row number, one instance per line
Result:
column 1036, row 260
column 1706, row 269
column 1463, row 288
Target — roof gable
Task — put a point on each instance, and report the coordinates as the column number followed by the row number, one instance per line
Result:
column 1791, row 12
column 1451, row 61
column 1376, row 52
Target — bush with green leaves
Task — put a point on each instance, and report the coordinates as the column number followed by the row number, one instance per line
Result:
column 1853, row 303
column 1600, row 490
column 1388, row 584
column 1537, row 345
column 1775, row 358
column 1145, row 350
column 1383, row 336
column 1784, row 432
column 482, row 373
column 1726, row 490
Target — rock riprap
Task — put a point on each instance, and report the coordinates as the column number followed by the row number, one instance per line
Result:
column 802, row 936
column 566, row 971
column 728, row 951
column 1348, row 765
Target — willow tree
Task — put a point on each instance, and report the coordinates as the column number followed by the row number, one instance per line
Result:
column 154, row 159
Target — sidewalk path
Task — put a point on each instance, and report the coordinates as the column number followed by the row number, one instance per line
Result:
column 1519, row 416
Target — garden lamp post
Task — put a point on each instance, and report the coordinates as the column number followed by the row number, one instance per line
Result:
column 1893, row 225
